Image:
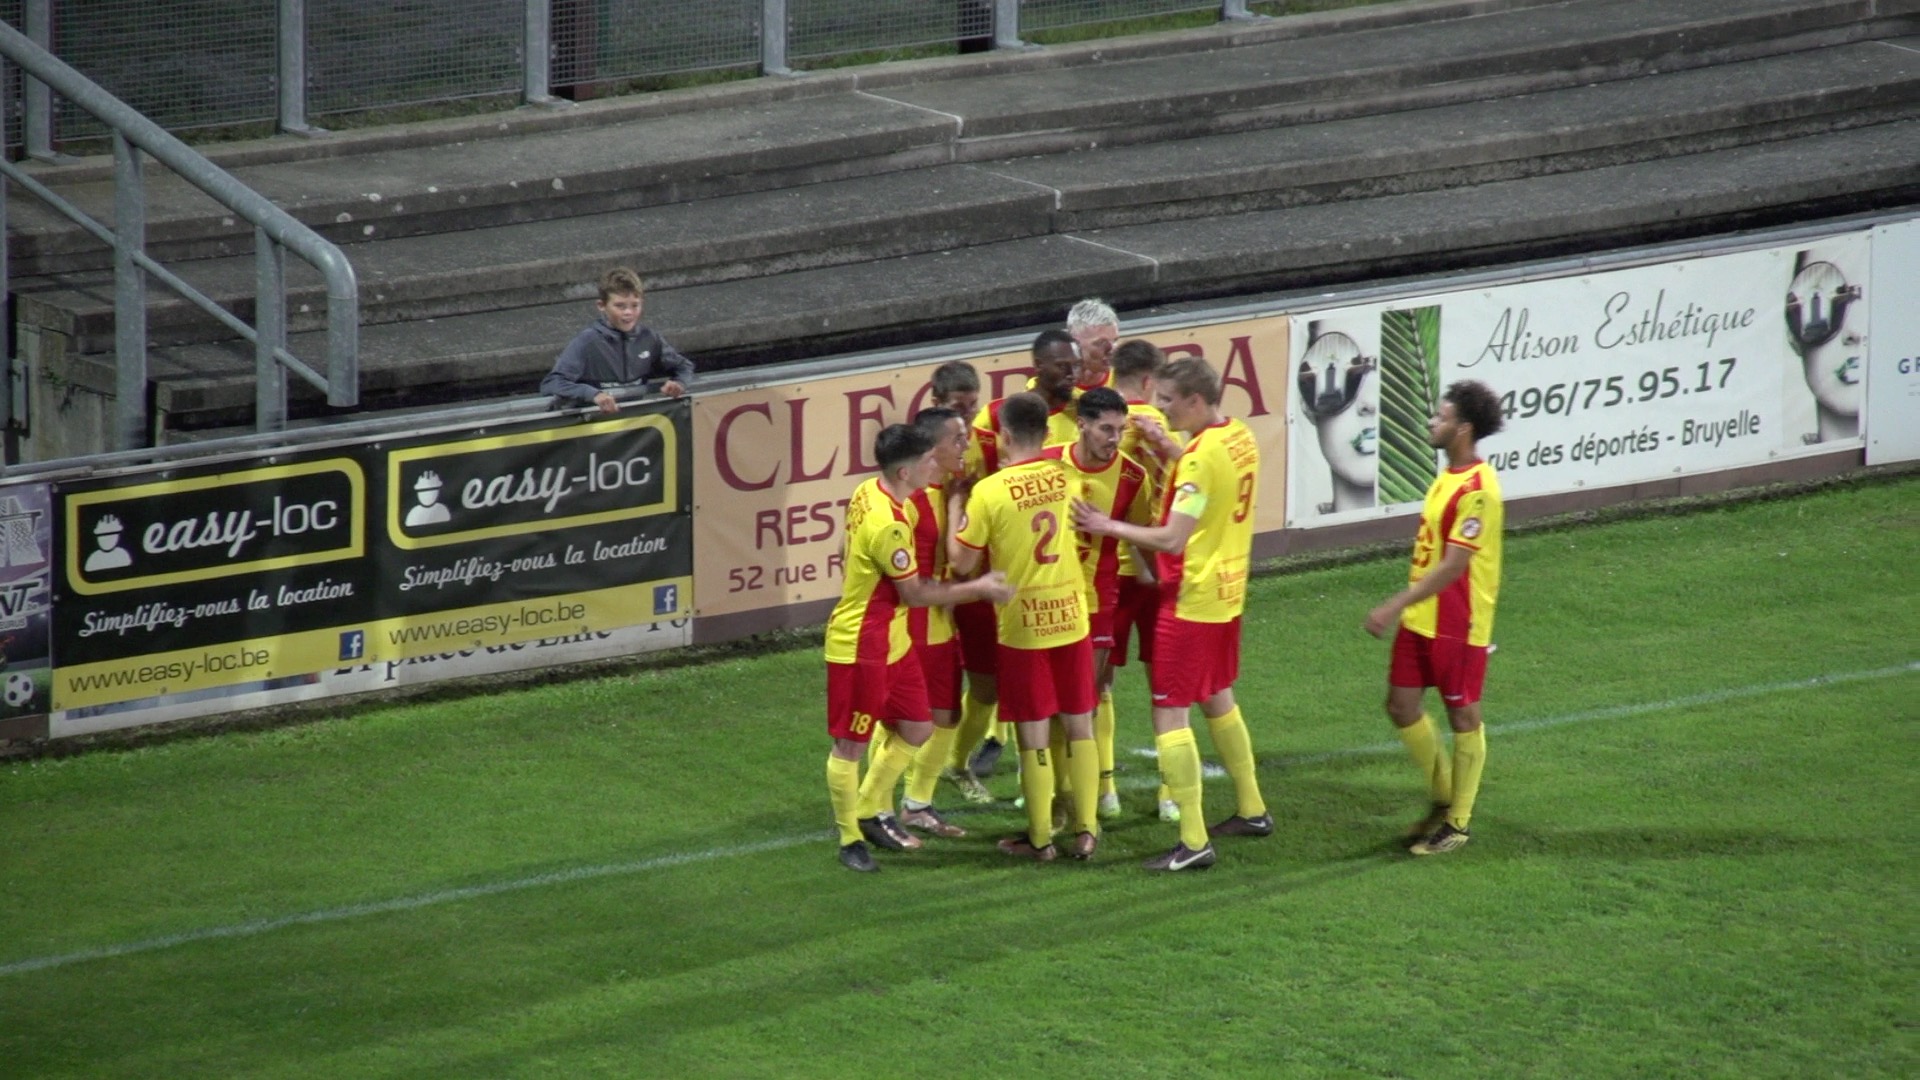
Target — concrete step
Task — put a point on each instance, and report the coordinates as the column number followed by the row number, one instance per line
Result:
column 1019, row 282
column 935, row 209
column 814, row 137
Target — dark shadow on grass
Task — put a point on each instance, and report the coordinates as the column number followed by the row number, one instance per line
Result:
column 1509, row 839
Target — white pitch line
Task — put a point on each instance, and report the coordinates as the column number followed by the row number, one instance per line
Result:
column 256, row 927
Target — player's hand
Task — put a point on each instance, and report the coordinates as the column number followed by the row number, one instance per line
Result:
column 1382, row 618
column 673, row 388
column 606, row 402
column 996, row 587
column 1152, row 431
column 1088, row 518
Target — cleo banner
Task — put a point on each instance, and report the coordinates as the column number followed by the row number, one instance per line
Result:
column 203, row 581
column 1606, row 379
column 1893, row 375
column 778, row 461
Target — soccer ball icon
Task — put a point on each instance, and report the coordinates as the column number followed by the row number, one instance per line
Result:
column 19, row 690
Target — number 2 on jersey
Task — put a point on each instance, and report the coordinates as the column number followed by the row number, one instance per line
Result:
column 1048, row 528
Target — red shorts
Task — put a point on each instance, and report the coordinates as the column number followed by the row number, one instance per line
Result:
column 861, row 693
column 1038, row 684
column 1137, row 610
column 1458, row 670
column 940, row 665
column 1100, row 627
column 979, row 626
column 1196, row 660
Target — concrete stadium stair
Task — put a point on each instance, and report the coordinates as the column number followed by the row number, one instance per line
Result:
column 884, row 208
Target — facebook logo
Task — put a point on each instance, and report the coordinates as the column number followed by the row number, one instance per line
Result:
column 666, row 599
column 353, row 644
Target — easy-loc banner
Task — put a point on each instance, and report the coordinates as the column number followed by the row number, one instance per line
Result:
column 235, row 581
column 780, row 460
column 1606, row 379
column 1893, row 370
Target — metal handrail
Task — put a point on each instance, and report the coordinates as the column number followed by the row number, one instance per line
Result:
column 275, row 231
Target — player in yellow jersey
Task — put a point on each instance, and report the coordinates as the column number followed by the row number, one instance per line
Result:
column 1205, row 545
column 1054, row 367
column 1020, row 519
column 931, row 628
column 872, row 672
column 1137, row 365
column 1446, row 615
column 1121, row 488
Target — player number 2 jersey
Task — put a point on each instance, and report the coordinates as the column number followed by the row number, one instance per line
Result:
column 1214, row 483
column 1022, row 517
column 870, row 622
column 1464, row 508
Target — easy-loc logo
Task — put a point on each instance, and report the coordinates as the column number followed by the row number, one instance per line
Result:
column 214, row 526
column 532, row 481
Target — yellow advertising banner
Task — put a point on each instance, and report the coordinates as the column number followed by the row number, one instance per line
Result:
column 399, row 638
column 780, row 460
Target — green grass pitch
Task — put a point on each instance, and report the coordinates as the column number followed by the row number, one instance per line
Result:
column 1694, row 856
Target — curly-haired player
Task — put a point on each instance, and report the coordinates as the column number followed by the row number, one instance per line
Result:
column 1446, row 615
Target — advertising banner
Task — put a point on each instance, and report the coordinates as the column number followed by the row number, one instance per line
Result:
column 26, row 566
column 1893, row 350
column 1606, row 379
column 779, row 461
column 210, row 577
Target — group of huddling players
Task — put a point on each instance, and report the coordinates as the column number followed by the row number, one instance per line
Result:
column 1019, row 547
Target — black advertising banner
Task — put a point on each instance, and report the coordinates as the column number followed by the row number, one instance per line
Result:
column 192, row 579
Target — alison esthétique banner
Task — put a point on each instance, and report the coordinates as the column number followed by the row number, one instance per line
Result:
column 280, row 572
column 1605, row 379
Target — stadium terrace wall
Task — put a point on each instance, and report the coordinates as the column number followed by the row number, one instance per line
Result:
column 366, row 557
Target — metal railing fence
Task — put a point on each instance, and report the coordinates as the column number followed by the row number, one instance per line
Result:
column 276, row 232
column 212, row 63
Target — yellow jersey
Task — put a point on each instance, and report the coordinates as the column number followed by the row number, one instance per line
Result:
column 1463, row 508
column 930, row 625
column 1121, row 490
column 1214, row 483
column 870, row 621
column 1022, row 518
column 983, row 449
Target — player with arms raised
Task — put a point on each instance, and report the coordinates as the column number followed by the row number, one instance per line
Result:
column 873, row 674
column 1205, row 545
column 1446, row 615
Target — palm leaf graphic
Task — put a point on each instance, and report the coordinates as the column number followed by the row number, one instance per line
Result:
column 1409, row 392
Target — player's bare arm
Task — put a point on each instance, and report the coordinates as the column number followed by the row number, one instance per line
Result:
column 1171, row 536
column 925, row 592
column 1452, row 565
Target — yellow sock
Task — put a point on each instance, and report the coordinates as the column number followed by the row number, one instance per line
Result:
column 1083, row 761
column 843, row 790
column 1235, row 747
column 877, row 745
column 876, row 791
column 976, row 717
column 1180, row 769
column 1057, row 742
column 1103, row 723
column 1469, row 756
column 1036, row 783
column 999, row 730
column 924, row 773
column 1423, row 742
column 1166, row 793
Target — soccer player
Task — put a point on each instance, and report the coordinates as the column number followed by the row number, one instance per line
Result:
column 1020, row 519
column 1446, row 615
column 1054, row 365
column 1094, row 328
column 931, row 628
column 1205, row 543
column 1137, row 365
column 956, row 385
column 872, row 672
column 1122, row 489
